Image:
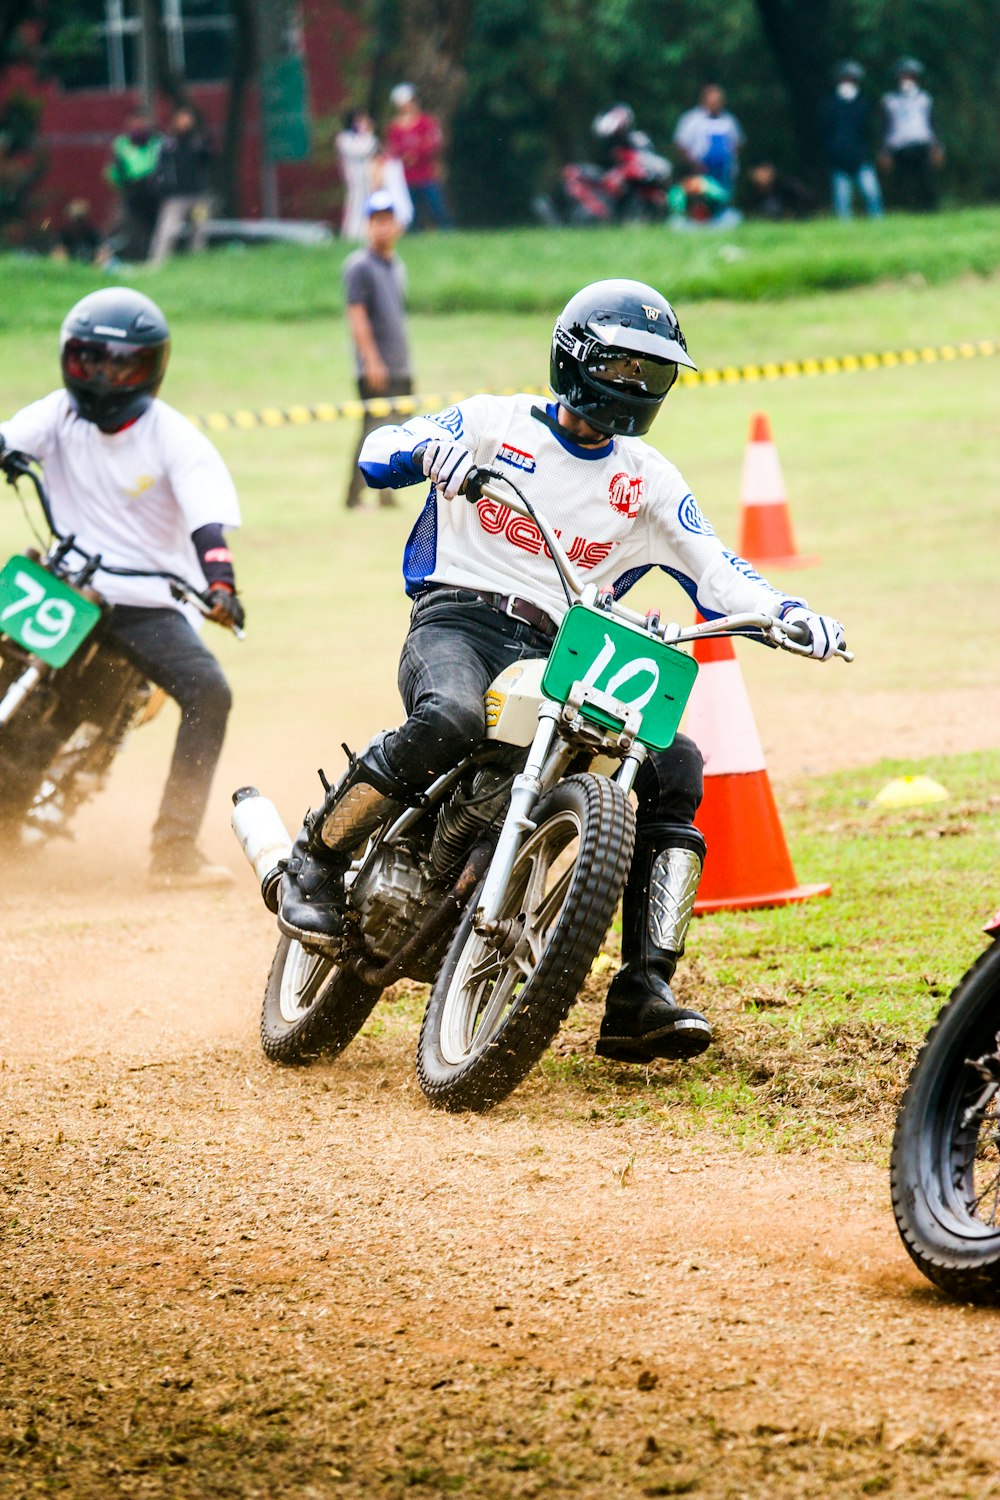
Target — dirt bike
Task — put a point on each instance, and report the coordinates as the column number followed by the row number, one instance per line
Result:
column 498, row 884
column 68, row 698
column 632, row 189
column 945, row 1165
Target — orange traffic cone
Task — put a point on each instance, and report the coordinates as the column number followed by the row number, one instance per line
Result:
column 748, row 863
column 766, row 537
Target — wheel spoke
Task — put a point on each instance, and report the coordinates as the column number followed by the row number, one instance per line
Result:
column 488, row 965
column 496, row 1006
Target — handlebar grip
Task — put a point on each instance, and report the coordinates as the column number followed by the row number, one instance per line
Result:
column 799, row 632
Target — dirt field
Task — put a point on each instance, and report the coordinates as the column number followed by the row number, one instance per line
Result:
column 223, row 1279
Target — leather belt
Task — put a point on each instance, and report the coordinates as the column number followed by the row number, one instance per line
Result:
column 506, row 604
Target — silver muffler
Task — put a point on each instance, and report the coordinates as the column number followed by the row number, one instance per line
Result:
column 263, row 838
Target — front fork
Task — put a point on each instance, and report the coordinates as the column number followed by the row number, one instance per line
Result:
column 541, row 771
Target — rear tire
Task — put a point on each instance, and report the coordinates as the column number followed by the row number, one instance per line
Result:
column 492, row 1014
column 312, row 1006
column 945, row 1169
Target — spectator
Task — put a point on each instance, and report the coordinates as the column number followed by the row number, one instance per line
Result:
column 184, row 173
column 133, row 172
column 845, row 124
column 375, row 292
column 776, row 195
column 356, row 149
column 79, row 238
column 387, row 173
column 708, row 140
column 414, row 138
column 911, row 150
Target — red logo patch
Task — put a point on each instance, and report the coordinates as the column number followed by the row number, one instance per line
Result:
column 625, row 494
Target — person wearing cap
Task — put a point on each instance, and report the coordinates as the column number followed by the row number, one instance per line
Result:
column 375, row 296
column 414, row 138
column 845, row 124
column 911, row 150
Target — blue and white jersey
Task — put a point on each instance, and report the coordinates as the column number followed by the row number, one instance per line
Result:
column 619, row 510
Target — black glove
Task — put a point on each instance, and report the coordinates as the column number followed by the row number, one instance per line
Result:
column 230, row 605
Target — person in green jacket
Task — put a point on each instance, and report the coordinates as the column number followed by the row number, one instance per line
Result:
column 133, row 172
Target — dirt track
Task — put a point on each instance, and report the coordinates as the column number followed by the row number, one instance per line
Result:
column 224, row 1279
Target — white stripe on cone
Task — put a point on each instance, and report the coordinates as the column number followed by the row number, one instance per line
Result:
column 720, row 720
column 763, row 482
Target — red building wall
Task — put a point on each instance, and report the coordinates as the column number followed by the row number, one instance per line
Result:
column 78, row 126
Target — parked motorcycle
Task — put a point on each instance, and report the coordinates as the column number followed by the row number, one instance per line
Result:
column 945, row 1166
column 68, row 699
column 631, row 188
column 498, row 884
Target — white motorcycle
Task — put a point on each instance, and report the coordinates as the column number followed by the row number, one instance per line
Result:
column 498, row 884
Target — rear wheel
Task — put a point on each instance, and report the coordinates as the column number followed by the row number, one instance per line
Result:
column 312, row 1005
column 500, row 1000
column 946, row 1149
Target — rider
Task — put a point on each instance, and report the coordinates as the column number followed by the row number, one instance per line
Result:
column 131, row 479
column 485, row 595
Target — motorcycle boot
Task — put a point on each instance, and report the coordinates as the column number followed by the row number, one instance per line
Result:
column 642, row 1020
column 312, row 898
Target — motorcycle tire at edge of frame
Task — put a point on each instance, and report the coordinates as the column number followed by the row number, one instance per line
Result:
column 953, row 1248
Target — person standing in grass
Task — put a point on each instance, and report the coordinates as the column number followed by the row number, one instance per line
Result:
column 911, row 150
column 845, row 123
column 375, row 295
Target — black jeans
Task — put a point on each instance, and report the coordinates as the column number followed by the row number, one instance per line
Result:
column 162, row 644
column 398, row 385
column 455, row 647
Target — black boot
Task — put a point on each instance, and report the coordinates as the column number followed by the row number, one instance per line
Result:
column 642, row 1020
column 312, row 900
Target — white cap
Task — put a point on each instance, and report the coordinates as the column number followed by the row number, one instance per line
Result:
column 379, row 202
column 403, row 93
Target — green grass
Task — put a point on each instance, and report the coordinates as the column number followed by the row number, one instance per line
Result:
column 536, row 270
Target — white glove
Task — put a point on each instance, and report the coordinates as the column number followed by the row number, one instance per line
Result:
column 448, row 464
column 827, row 634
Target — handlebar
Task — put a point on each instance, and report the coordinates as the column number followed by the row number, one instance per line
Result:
column 17, row 465
column 794, row 637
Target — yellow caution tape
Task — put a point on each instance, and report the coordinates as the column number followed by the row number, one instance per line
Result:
column 787, row 369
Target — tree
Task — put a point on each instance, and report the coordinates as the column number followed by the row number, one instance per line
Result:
column 798, row 34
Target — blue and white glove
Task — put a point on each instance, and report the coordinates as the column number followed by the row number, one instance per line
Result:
column 448, row 464
column 827, row 634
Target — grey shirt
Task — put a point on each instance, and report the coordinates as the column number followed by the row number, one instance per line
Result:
column 379, row 286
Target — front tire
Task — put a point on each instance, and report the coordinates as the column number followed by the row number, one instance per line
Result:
column 312, row 1006
column 945, row 1169
column 495, row 1009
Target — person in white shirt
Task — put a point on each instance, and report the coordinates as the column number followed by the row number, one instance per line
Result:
column 485, row 595
column 134, row 481
column 911, row 151
column 708, row 139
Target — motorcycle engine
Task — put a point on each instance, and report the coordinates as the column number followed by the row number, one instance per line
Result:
column 391, row 896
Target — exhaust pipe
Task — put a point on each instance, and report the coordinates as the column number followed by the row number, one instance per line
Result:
column 263, row 838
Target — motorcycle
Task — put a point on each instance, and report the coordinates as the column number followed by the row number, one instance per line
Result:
column 68, row 698
column 498, row 884
column 633, row 189
column 945, row 1163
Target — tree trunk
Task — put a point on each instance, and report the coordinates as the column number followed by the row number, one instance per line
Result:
column 797, row 33
column 241, row 72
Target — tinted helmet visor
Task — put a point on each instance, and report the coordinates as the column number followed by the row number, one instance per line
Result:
column 113, row 366
column 630, row 373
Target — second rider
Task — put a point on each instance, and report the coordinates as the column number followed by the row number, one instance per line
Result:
column 486, row 595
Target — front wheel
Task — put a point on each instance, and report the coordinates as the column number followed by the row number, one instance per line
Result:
column 499, row 1001
column 946, row 1148
column 311, row 1005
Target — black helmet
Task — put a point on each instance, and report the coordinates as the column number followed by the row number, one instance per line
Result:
column 616, row 347
column 849, row 69
column 113, row 350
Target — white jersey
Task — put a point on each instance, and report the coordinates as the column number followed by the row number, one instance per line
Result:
column 133, row 496
column 618, row 510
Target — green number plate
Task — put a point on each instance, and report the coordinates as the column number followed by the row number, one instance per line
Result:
column 43, row 614
column 626, row 663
